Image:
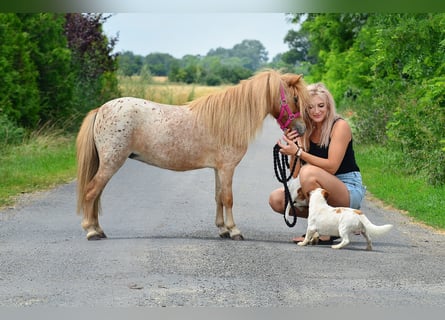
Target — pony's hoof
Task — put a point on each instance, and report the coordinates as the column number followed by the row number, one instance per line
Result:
column 224, row 232
column 92, row 236
column 237, row 237
column 225, row 235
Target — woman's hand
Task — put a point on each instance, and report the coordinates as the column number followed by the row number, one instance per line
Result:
column 294, row 136
column 292, row 142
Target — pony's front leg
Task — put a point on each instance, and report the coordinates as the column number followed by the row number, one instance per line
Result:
column 226, row 197
column 223, row 231
column 235, row 233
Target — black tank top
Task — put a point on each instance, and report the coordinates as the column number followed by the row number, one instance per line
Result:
column 348, row 163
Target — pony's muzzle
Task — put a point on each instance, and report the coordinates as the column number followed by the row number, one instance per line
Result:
column 298, row 125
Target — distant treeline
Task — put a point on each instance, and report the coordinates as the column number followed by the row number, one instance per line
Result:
column 219, row 66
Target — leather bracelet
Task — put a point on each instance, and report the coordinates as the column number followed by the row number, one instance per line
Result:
column 299, row 151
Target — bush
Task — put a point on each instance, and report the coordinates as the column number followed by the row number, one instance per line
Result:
column 417, row 127
column 371, row 117
column 9, row 132
column 212, row 80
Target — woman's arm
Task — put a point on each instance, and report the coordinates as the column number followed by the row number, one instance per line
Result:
column 340, row 137
column 297, row 166
column 294, row 137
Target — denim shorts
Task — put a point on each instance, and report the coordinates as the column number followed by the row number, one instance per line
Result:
column 353, row 182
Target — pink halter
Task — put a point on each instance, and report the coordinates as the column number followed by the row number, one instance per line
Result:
column 285, row 108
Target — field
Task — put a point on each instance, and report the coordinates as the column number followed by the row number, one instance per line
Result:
column 159, row 90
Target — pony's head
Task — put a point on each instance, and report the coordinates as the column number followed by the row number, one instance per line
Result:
column 237, row 113
column 294, row 97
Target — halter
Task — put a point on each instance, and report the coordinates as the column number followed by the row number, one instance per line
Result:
column 285, row 108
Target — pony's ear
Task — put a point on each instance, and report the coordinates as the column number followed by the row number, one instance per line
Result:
column 291, row 79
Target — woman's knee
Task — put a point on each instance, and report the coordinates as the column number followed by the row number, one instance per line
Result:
column 308, row 174
column 276, row 200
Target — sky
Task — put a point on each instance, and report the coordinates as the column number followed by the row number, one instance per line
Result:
column 179, row 34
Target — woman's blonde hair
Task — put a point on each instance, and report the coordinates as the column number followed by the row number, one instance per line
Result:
column 320, row 90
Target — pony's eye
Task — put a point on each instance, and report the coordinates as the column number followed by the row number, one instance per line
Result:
column 296, row 100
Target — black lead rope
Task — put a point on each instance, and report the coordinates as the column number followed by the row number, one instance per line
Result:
column 281, row 163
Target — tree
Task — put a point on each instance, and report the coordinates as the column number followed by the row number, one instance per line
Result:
column 220, row 52
column 299, row 48
column 321, row 37
column 159, row 63
column 19, row 91
column 92, row 60
column 129, row 63
column 252, row 53
column 53, row 66
column 52, row 59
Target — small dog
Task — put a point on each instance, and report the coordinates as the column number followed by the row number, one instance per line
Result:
column 326, row 220
column 298, row 198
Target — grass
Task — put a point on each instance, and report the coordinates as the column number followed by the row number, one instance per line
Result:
column 387, row 181
column 40, row 163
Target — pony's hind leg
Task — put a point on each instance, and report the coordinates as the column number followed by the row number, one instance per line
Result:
column 90, row 222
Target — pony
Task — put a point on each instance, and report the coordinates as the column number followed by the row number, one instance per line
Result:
column 213, row 131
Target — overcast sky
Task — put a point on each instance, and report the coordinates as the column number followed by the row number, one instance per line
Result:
column 185, row 33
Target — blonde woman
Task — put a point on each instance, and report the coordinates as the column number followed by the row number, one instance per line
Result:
column 325, row 156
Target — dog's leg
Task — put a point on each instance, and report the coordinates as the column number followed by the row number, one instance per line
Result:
column 368, row 240
column 308, row 238
column 315, row 239
column 344, row 242
column 344, row 239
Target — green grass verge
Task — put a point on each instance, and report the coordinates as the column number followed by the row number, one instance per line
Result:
column 386, row 180
column 40, row 163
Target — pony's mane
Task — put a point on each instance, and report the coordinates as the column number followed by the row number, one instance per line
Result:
column 235, row 115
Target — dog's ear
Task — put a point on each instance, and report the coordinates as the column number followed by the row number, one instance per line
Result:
column 325, row 193
column 300, row 194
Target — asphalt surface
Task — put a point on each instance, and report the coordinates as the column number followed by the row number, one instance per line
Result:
column 163, row 248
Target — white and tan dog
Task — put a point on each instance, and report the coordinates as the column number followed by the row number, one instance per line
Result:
column 326, row 220
column 298, row 198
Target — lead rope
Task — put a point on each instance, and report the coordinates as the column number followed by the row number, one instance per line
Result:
column 280, row 165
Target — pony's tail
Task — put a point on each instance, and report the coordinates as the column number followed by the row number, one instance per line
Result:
column 87, row 160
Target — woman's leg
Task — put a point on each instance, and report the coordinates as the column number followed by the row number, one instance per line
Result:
column 312, row 177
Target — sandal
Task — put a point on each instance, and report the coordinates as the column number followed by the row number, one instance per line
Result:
column 298, row 239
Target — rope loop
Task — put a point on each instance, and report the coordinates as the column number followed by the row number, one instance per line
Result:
column 281, row 163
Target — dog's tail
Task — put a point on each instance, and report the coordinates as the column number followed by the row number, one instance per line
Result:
column 372, row 229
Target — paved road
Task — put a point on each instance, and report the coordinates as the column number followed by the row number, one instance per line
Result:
column 163, row 248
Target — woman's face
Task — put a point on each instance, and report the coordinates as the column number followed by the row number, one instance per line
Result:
column 318, row 109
